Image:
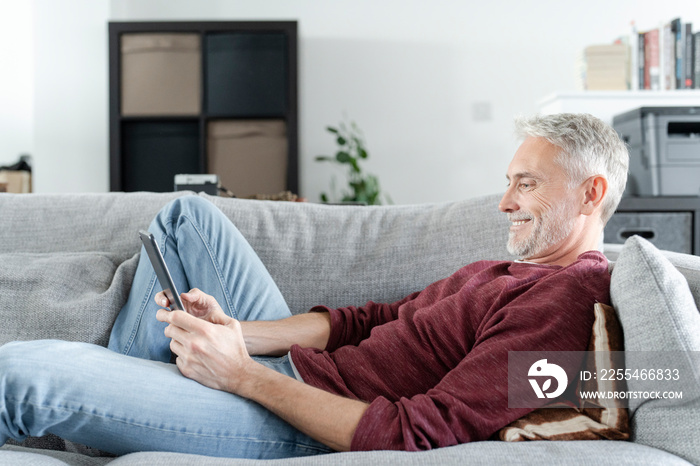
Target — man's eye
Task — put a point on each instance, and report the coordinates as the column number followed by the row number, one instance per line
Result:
column 525, row 185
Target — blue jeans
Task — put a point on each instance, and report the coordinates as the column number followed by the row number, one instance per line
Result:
column 128, row 398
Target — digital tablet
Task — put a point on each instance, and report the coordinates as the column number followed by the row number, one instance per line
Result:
column 166, row 281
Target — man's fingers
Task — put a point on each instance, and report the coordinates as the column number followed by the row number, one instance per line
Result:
column 162, row 315
column 176, row 347
column 175, row 333
column 185, row 321
column 161, row 299
column 196, row 300
column 195, row 296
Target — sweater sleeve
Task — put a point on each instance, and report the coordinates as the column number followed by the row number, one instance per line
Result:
column 471, row 402
column 350, row 325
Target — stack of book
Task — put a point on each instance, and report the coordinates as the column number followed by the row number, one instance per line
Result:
column 669, row 50
column 604, row 67
column 662, row 58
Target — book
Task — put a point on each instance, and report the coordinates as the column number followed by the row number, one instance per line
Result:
column 633, row 58
column 668, row 58
column 651, row 60
column 677, row 32
column 696, row 60
column 640, row 60
column 688, row 67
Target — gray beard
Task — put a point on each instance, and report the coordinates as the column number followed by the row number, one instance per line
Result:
column 546, row 232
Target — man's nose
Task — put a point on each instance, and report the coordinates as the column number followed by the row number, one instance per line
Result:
column 507, row 203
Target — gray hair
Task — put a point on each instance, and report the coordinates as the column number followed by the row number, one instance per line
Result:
column 589, row 147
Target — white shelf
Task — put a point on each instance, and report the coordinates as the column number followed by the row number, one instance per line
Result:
column 606, row 104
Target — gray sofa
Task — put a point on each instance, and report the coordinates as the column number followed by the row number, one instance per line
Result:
column 67, row 261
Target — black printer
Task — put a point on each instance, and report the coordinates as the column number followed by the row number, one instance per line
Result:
column 664, row 147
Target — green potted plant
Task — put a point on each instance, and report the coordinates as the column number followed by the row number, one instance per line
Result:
column 363, row 187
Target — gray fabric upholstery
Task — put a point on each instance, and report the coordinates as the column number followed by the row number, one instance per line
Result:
column 579, row 453
column 686, row 264
column 347, row 255
column 20, row 456
column 51, row 223
column 67, row 261
column 83, row 292
column 658, row 313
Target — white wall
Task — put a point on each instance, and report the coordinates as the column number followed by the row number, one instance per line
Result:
column 71, row 121
column 411, row 73
column 16, row 80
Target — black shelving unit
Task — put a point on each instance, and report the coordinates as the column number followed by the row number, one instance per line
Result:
column 237, row 73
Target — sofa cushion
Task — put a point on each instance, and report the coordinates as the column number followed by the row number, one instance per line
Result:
column 689, row 266
column 72, row 296
column 658, row 315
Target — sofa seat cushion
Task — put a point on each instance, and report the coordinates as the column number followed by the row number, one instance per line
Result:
column 575, row 453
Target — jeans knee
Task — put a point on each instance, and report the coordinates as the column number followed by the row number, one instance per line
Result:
column 190, row 205
column 192, row 202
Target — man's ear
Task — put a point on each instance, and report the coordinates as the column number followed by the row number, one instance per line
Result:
column 595, row 190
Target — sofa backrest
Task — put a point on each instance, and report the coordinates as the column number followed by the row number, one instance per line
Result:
column 67, row 260
column 67, row 223
column 347, row 255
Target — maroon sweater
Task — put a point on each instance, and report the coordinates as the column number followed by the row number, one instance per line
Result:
column 433, row 366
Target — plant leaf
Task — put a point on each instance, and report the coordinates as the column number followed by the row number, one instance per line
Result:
column 343, row 157
column 331, row 129
column 324, row 158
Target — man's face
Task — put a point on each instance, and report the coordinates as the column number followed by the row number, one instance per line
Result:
column 542, row 209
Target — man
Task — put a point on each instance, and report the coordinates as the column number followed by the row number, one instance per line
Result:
column 425, row 372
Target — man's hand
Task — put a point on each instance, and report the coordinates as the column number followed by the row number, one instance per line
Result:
column 198, row 304
column 209, row 344
column 212, row 351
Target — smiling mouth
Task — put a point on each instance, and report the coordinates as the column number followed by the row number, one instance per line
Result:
column 517, row 223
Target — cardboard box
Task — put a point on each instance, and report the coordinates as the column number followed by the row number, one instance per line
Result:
column 250, row 156
column 15, row 181
column 160, row 74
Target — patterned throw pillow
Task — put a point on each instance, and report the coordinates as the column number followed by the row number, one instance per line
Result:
column 592, row 420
